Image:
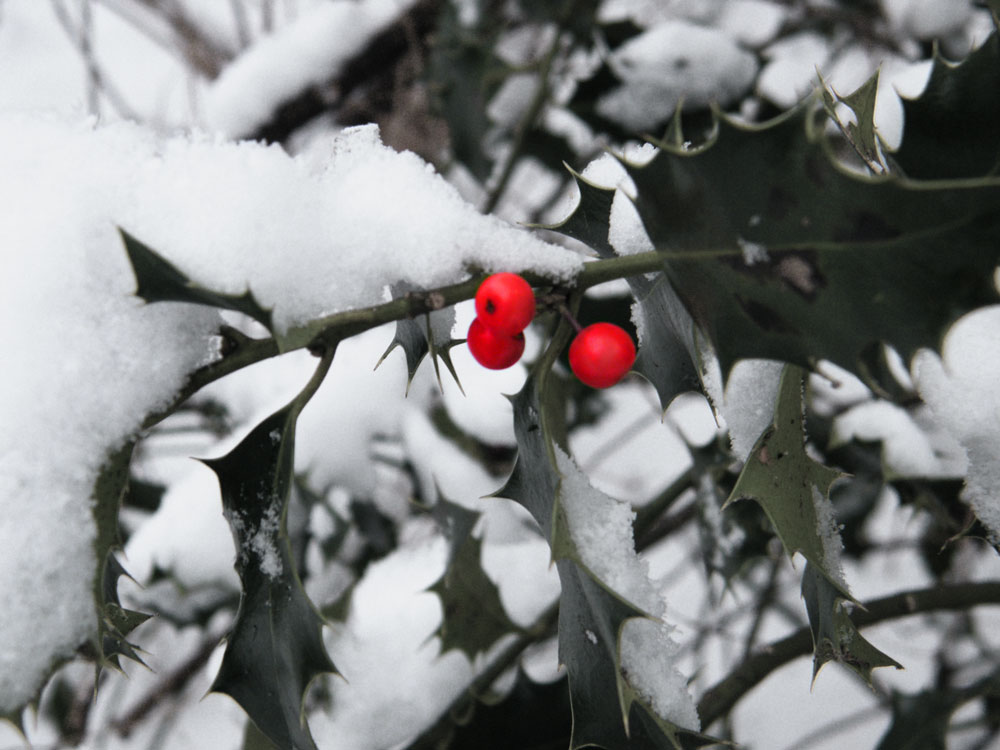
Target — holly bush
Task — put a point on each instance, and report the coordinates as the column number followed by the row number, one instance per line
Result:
column 783, row 271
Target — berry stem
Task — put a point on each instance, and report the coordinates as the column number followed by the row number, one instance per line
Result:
column 569, row 317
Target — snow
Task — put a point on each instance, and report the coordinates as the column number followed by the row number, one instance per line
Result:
column 790, row 71
column 927, row 19
column 673, row 62
column 748, row 408
column 909, row 449
column 960, row 388
column 346, row 228
column 187, row 536
column 752, row 23
column 303, row 54
column 63, row 265
column 385, row 651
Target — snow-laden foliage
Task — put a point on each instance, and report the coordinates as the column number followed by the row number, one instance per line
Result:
column 382, row 543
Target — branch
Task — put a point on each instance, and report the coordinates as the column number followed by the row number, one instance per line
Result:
column 241, row 351
column 720, row 699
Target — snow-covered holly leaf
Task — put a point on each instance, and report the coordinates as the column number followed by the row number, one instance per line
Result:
column 952, row 130
column 474, row 617
column 607, row 710
column 835, row 638
column 275, row 648
column 159, row 280
column 791, row 487
column 778, row 252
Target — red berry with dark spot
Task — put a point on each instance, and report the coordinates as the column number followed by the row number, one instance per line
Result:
column 493, row 349
column 505, row 303
column 601, row 354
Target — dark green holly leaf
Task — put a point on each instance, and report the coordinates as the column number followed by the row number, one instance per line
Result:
column 952, row 130
column 667, row 349
column 159, row 280
column 530, row 715
column 456, row 523
column 835, row 638
column 474, row 617
column 780, row 253
column 254, row 739
column 791, row 487
column 426, row 334
column 463, row 74
column 590, row 221
column 275, row 648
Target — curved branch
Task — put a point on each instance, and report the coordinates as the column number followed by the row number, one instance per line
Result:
column 720, row 699
column 244, row 351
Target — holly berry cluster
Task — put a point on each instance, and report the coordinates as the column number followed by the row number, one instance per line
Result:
column 600, row 355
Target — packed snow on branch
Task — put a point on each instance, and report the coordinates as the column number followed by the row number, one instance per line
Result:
column 308, row 235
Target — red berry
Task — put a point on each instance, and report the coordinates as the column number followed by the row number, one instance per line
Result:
column 493, row 349
column 505, row 303
column 601, row 354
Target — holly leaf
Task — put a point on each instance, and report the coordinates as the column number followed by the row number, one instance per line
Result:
column 607, row 711
column 426, row 334
column 667, row 350
column 159, row 280
column 474, row 616
column 530, row 715
column 791, row 487
column 861, row 133
column 456, row 523
column 835, row 637
column 778, row 252
column 464, row 73
column 114, row 622
column 952, row 127
column 590, row 221
column 275, row 648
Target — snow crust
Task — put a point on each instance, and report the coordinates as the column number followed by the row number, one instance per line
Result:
column 309, row 236
column 601, row 530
